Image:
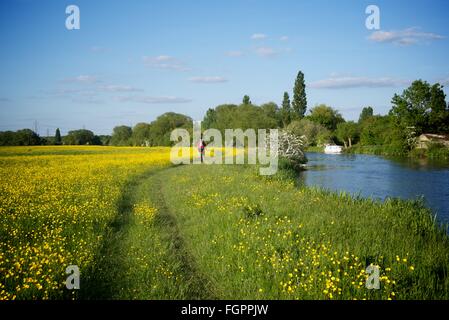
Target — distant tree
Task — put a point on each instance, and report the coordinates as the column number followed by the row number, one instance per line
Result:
column 24, row 137
column 422, row 107
column 161, row 128
column 141, row 134
column 286, row 110
column 439, row 111
column 347, row 132
column 326, row 116
column 365, row 114
column 7, row 138
column 210, row 119
column 299, row 103
column 271, row 114
column 121, row 136
column 246, row 100
column 244, row 116
column 104, row 139
column 314, row 133
column 80, row 137
column 58, row 139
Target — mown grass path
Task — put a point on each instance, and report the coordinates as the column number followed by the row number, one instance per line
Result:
column 144, row 260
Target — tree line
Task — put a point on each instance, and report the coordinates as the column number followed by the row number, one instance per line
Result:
column 421, row 108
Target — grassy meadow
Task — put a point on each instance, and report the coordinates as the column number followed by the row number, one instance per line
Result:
column 140, row 228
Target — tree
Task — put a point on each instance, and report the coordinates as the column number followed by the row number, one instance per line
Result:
column 24, row 137
column 161, row 128
column 141, row 134
column 299, row 103
column 121, row 136
column 326, row 116
column 210, row 119
column 365, row 114
column 58, row 139
column 347, row 132
column 314, row 133
column 81, row 137
column 439, row 113
column 271, row 114
column 422, row 107
column 286, row 110
column 246, row 100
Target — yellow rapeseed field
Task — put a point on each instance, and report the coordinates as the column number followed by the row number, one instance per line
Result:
column 55, row 203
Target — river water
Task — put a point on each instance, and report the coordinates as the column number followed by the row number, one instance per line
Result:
column 380, row 177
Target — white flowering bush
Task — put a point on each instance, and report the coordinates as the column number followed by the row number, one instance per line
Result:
column 291, row 149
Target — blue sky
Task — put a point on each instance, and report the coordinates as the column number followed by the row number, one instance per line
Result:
column 131, row 61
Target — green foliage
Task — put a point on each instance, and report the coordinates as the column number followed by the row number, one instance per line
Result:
column 81, row 137
column 161, row 128
column 246, row 100
column 439, row 111
column 121, row 136
column 286, row 110
column 58, row 139
column 271, row 111
column 326, row 116
column 347, row 132
column 314, row 133
column 299, row 103
column 105, row 140
column 366, row 113
column 210, row 119
column 421, row 106
column 244, row 116
column 141, row 134
column 24, row 137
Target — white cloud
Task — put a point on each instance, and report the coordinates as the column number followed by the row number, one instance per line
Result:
column 234, row 53
column 404, row 37
column 258, row 36
column 165, row 62
column 153, row 99
column 357, row 82
column 266, row 52
column 118, row 88
column 214, row 79
column 283, row 38
column 82, row 79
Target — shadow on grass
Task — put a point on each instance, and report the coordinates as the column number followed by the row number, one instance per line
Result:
column 111, row 276
column 106, row 278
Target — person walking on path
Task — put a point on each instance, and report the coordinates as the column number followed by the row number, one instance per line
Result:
column 201, row 147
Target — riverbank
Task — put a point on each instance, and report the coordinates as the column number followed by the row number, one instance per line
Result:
column 263, row 238
column 437, row 153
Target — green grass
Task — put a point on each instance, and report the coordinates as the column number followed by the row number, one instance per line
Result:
column 259, row 238
column 433, row 152
column 143, row 258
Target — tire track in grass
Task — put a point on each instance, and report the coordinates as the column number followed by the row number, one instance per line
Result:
column 100, row 282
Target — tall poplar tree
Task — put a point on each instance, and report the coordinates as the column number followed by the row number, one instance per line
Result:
column 299, row 103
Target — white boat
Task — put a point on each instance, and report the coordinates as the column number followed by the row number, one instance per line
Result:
column 333, row 149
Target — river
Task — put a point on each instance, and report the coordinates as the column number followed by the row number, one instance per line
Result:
column 381, row 177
